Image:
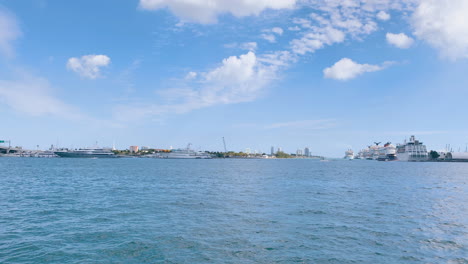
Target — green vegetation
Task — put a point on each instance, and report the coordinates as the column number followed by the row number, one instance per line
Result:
column 434, row 155
column 282, row 155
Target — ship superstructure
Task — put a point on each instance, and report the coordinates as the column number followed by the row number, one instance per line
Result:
column 387, row 152
column 86, row 153
column 349, row 154
column 186, row 153
column 412, row 150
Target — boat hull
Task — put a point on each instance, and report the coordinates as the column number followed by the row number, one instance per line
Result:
column 84, row 155
column 411, row 158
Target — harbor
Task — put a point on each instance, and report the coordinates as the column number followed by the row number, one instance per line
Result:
column 411, row 150
column 147, row 152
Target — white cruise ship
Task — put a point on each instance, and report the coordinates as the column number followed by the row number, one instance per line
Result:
column 349, row 154
column 387, row 152
column 186, row 153
column 413, row 150
column 374, row 151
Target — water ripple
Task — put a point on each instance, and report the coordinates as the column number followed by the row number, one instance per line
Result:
column 232, row 211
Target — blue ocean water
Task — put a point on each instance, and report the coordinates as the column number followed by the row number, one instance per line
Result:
column 232, row 211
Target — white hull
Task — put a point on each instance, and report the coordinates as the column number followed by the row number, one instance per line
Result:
column 180, row 156
column 410, row 158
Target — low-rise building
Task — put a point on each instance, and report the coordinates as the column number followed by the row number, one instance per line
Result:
column 133, row 149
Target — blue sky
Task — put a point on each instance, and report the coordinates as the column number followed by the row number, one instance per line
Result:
column 325, row 74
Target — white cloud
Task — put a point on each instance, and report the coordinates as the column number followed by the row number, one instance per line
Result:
column 401, row 40
column 269, row 37
column 250, row 46
column 347, row 69
column 334, row 21
column 295, row 28
column 236, row 80
column 33, row 96
column 88, row 66
column 270, row 34
column 305, row 23
column 317, row 39
column 191, row 75
column 9, row 32
column 384, row 16
column 444, row 25
column 277, row 30
column 206, row 11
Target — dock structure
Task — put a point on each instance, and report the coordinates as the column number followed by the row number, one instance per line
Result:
column 8, row 150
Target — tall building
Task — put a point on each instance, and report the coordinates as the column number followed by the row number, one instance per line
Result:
column 280, row 149
column 307, row 152
column 272, row 151
column 299, row 153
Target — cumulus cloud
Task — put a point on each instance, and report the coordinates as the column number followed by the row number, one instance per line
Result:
column 88, row 66
column 206, row 11
column 347, row 69
column 444, row 25
column 401, row 40
column 238, row 79
column 9, row 32
column 384, row 16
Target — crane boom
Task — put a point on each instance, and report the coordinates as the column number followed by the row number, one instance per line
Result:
column 224, row 142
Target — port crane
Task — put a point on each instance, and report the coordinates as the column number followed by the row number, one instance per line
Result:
column 224, row 143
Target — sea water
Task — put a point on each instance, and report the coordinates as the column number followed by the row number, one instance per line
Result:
column 232, row 211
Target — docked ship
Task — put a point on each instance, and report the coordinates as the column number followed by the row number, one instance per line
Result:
column 363, row 154
column 387, row 152
column 412, row 150
column 373, row 152
column 86, row 153
column 186, row 153
column 349, row 154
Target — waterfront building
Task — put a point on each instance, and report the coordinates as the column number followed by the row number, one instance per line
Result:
column 299, row 153
column 272, row 151
column 280, row 149
column 133, row 149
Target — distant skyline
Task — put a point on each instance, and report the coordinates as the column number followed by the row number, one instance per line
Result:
column 324, row 74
